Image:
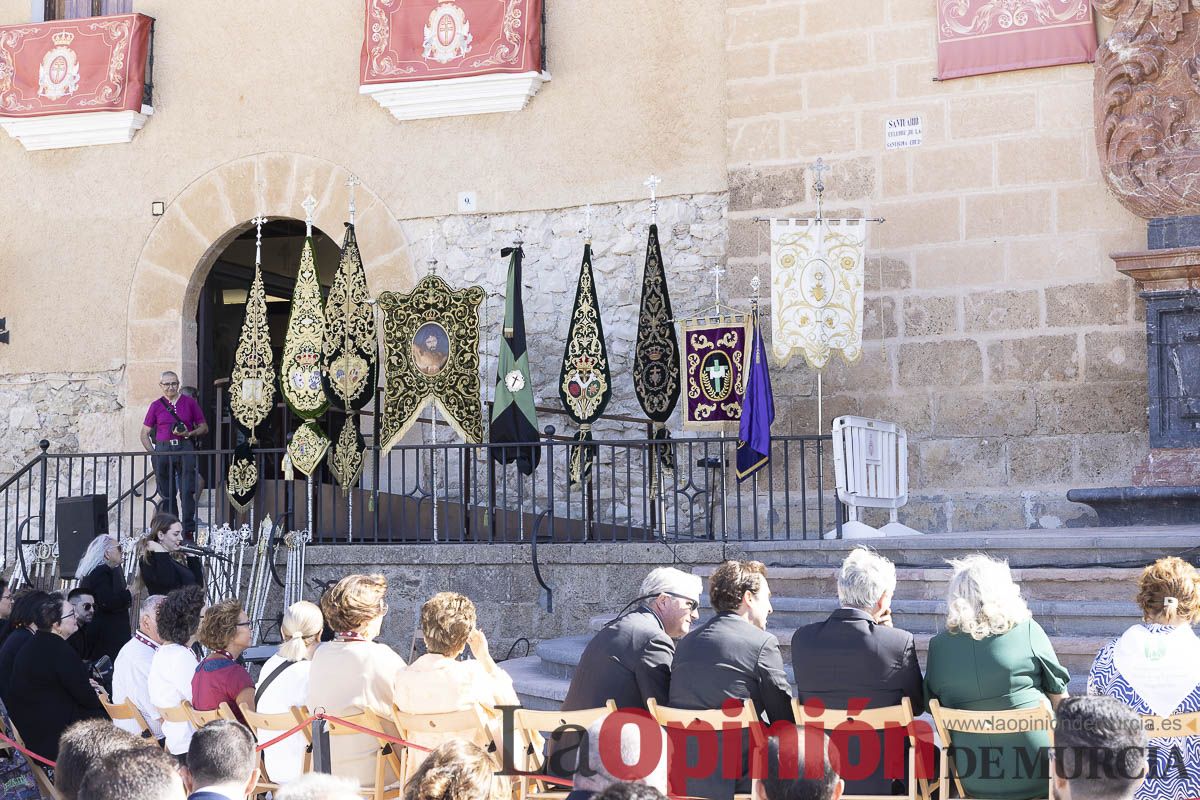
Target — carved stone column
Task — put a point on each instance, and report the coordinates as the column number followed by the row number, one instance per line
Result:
column 1147, row 109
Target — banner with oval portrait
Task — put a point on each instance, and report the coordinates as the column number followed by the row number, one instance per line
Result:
column 715, row 357
column 431, row 350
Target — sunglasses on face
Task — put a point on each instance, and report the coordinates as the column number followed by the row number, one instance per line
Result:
column 687, row 601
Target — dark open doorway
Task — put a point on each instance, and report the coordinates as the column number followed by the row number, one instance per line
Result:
column 223, row 305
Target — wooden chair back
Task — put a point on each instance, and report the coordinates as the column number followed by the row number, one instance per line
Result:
column 387, row 756
column 278, row 724
column 470, row 724
column 127, row 711
column 533, row 724
column 717, row 718
column 879, row 719
column 201, row 718
column 951, row 720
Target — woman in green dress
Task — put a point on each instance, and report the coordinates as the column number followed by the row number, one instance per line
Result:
column 994, row 657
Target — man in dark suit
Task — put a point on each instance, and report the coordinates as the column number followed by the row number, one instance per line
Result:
column 856, row 656
column 730, row 656
column 221, row 762
column 629, row 660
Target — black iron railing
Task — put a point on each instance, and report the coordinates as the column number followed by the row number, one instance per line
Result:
column 448, row 491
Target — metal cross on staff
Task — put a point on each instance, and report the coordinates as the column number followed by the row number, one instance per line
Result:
column 716, row 272
column 587, row 223
column 258, row 223
column 351, row 182
column 430, row 259
column 310, row 205
column 652, row 182
column 819, row 169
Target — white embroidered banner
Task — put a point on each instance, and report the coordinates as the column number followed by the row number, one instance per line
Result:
column 817, row 289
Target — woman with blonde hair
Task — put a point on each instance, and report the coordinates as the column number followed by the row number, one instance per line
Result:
column 283, row 684
column 162, row 566
column 457, row 770
column 355, row 673
column 437, row 682
column 994, row 657
column 1153, row 668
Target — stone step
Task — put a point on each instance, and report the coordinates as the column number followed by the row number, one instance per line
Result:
column 1046, row 583
column 1129, row 547
column 536, row 688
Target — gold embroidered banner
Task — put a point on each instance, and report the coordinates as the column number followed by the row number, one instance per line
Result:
column 300, row 370
column 715, row 358
column 431, row 346
column 817, row 289
column 980, row 36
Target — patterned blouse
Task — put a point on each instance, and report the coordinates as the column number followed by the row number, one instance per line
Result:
column 1164, row 781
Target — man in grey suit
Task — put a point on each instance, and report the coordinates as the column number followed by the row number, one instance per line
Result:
column 629, row 660
column 730, row 656
column 856, row 656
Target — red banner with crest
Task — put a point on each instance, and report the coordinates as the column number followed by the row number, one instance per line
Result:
column 981, row 36
column 422, row 40
column 73, row 66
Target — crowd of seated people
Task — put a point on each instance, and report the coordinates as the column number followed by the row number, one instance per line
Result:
column 991, row 656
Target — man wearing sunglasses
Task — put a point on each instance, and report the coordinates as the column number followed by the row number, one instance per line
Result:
column 172, row 425
column 85, row 609
column 629, row 660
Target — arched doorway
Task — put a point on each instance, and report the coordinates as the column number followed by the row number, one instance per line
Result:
column 201, row 223
column 222, row 302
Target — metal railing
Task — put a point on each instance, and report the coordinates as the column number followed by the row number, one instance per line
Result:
column 454, row 492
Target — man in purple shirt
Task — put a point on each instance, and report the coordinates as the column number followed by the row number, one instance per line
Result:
column 172, row 423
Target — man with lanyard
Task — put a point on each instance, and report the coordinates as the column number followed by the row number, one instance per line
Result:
column 131, row 672
column 172, row 423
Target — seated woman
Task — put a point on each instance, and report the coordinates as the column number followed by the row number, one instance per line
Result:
column 102, row 576
column 994, row 657
column 50, row 688
column 436, row 682
column 174, row 663
column 457, row 770
column 225, row 631
column 354, row 673
column 162, row 568
column 283, row 684
column 23, row 628
column 1154, row 668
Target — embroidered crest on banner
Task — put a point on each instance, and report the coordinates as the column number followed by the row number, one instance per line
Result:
column 348, row 454
column 307, row 447
column 431, row 346
column 59, row 73
column 715, row 356
column 584, row 382
column 241, row 481
column 656, row 355
column 351, row 349
column 300, row 370
column 447, row 34
column 817, row 289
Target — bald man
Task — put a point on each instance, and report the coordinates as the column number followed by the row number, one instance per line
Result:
column 173, row 423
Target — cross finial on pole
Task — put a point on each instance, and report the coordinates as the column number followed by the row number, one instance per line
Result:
column 587, row 223
column 518, row 238
column 258, row 223
column 310, row 205
column 717, row 272
column 652, row 182
column 819, row 169
column 431, row 259
column 351, row 182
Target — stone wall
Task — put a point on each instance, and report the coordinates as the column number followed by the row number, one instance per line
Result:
column 499, row 579
column 74, row 411
column 997, row 330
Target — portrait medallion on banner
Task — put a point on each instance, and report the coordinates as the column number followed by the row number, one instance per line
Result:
column 431, row 348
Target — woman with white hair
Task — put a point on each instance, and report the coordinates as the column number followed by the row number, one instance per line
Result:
column 283, row 683
column 994, row 657
column 102, row 576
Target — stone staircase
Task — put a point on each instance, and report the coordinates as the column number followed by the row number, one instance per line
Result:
column 1079, row 584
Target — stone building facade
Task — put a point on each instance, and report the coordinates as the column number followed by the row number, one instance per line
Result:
column 997, row 331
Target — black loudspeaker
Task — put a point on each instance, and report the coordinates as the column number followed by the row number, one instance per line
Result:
column 80, row 519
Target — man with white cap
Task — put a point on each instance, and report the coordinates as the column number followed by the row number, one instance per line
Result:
column 629, row 660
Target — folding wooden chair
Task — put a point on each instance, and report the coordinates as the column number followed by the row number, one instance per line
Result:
column 947, row 720
column 127, row 711
column 201, row 718
column 470, row 724
column 533, row 724
column 386, row 756
column 878, row 719
column 278, row 724
column 180, row 713
column 39, row 774
column 718, row 719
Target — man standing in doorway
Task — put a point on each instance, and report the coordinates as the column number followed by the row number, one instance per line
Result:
column 172, row 424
